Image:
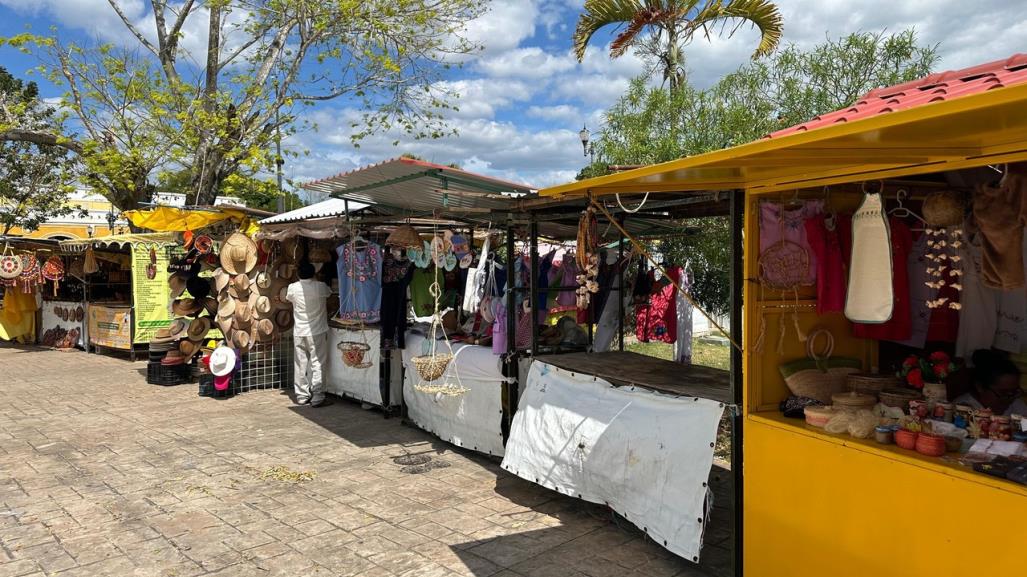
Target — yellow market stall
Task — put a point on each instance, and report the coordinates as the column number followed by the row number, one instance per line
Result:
column 815, row 502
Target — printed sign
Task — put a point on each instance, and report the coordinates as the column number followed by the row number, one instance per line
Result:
column 110, row 327
column 150, row 290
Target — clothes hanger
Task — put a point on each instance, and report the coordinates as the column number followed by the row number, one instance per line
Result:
column 830, row 221
column 795, row 202
column 901, row 211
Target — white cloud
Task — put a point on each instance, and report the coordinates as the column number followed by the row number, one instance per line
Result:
column 561, row 112
column 503, row 26
column 531, row 62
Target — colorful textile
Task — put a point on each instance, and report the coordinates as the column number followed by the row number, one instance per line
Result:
column 360, row 282
column 900, row 326
column 826, row 246
column 656, row 318
column 396, row 276
column 1000, row 213
column 778, row 223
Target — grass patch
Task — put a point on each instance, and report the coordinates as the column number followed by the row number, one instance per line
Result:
column 282, row 473
column 703, row 353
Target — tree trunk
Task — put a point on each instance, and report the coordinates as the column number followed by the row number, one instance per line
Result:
column 673, row 59
column 207, row 162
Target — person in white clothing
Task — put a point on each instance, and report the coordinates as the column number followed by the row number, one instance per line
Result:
column 998, row 385
column 310, row 335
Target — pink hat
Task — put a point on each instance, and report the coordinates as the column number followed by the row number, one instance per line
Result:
column 221, row 382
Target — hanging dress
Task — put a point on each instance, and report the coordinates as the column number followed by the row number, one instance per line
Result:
column 360, row 282
column 870, row 297
column 656, row 319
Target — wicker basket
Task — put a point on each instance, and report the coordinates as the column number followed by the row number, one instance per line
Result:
column 898, row 398
column 944, row 208
column 852, row 402
column 404, row 236
column 871, row 384
column 431, row 367
column 353, row 354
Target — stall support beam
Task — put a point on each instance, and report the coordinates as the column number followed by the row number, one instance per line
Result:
column 533, row 283
column 620, row 285
column 737, row 390
column 511, row 294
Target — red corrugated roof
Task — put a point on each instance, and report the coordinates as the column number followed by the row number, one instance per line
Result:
column 934, row 88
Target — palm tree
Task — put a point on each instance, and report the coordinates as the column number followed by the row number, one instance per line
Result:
column 672, row 24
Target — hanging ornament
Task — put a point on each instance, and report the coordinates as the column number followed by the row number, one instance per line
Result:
column 588, row 250
column 944, row 213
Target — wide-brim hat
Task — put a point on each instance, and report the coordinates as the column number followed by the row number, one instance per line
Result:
column 210, row 304
column 222, row 382
column 198, row 287
column 203, row 244
column 403, row 236
column 174, row 357
column 177, row 282
column 225, row 324
column 186, row 307
column 285, row 270
column 262, row 280
column 259, row 304
column 238, row 254
column 239, row 288
column 243, row 313
column 188, row 348
column 222, row 361
column 176, row 330
column 283, row 319
column 199, row 328
column 278, row 293
column 290, row 249
column 241, row 340
column 467, row 260
column 226, row 308
column 319, row 255
column 221, row 279
column 264, row 328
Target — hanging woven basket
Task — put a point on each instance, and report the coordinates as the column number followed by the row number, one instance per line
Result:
column 404, row 236
column 354, row 354
column 945, row 208
column 432, row 367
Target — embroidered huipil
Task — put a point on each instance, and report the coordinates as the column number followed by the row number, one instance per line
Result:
column 360, row 282
column 656, row 319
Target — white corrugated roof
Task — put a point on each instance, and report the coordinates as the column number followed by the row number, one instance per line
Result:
column 323, row 209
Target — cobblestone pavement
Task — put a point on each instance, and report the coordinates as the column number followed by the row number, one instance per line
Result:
column 102, row 474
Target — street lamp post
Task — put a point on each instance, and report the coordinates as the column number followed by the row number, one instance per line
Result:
column 587, row 146
column 111, row 219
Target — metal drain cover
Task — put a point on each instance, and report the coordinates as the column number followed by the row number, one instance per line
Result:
column 418, row 469
column 408, row 460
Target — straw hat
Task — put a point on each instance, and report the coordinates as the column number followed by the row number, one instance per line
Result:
column 241, row 340
column 283, row 319
column 239, row 254
column 222, row 361
column 319, row 255
column 404, row 236
column 186, row 307
column 221, row 279
column 199, row 328
column 188, row 348
column 210, row 304
column 285, row 270
column 264, row 328
column 259, row 304
column 173, row 357
column 243, row 313
column 226, row 308
column 290, row 249
column 176, row 330
column 240, row 286
column 225, row 324
column 278, row 291
column 177, row 283
column 262, row 280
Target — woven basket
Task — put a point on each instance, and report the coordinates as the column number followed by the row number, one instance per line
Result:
column 943, row 209
column 898, row 398
column 404, row 236
column 820, row 375
column 431, row 367
column 353, row 354
column 871, row 384
column 853, row 402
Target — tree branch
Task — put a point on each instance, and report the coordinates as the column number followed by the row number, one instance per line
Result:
column 43, row 138
column 131, row 27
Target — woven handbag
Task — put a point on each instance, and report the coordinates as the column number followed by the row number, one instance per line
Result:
column 819, row 375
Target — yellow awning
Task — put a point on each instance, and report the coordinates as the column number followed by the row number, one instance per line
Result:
column 975, row 130
column 171, row 219
column 122, row 240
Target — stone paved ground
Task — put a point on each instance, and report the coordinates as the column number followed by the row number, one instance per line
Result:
column 102, row 474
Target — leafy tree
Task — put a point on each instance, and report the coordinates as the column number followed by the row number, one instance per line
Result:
column 35, row 179
column 154, row 105
column 649, row 125
column 671, row 24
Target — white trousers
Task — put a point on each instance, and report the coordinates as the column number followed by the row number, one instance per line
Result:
column 311, row 355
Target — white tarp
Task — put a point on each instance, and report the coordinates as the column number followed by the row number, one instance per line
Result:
column 645, row 454
column 472, row 420
column 359, row 384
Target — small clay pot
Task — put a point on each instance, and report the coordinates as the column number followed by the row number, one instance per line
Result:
column 930, row 445
column 906, row 439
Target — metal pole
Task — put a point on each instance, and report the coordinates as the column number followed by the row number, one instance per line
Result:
column 620, row 288
column 512, row 355
column 737, row 392
column 533, row 283
column 279, row 161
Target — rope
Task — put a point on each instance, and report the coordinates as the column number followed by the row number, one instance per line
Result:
column 634, row 210
column 641, row 249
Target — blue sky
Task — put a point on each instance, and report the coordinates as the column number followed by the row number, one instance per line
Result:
column 525, row 97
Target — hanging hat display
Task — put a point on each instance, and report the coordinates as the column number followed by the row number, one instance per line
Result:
column 210, row 304
column 203, row 244
column 89, row 264
column 238, row 254
column 198, row 328
column 226, row 308
column 188, row 348
column 75, row 268
column 243, row 313
column 176, row 330
column 222, row 361
column 403, row 236
column 198, row 287
column 279, row 293
column 319, row 255
column 285, row 270
column 262, row 280
column 240, row 286
column 225, row 324
column 174, row 357
column 241, row 340
column 259, row 304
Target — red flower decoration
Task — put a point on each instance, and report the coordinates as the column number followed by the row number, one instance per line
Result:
column 941, row 370
column 915, row 378
column 910, row 362
column 939, row 358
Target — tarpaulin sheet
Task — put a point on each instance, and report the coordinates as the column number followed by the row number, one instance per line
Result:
column 645, row 454
column 472, row 420
column 355, row 383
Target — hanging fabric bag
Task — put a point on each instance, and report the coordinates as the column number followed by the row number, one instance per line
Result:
column 870, row 298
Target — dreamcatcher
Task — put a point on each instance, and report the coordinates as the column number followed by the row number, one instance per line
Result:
column 354, row 353
column 431, row 364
